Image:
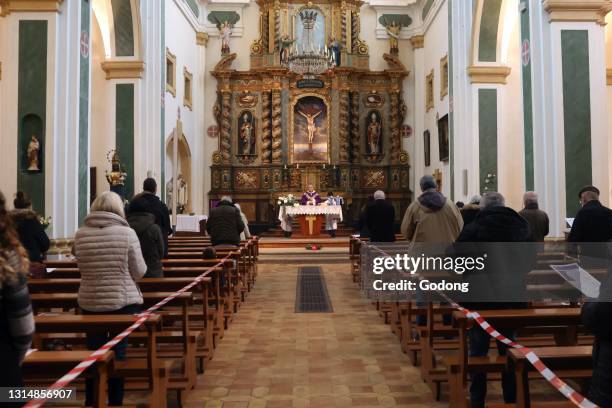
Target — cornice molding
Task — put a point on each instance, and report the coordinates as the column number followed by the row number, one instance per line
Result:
column 417, row 41
column 202, row 38
column 10, row 6
column 494, row 74
column 578, row 11
column 123, row 69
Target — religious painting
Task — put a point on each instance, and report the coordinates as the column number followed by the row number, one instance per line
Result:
column 427, row 147
column 310, row 130
column 309, row 28
column 443, row 143
column 246, row 133
column 374, row 133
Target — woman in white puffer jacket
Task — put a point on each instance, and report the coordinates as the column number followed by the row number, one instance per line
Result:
column 110, row 262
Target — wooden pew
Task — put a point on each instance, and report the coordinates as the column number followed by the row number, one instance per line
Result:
column 149, row 367
column 40, row 367
column 566, row 362
column 181, row 383
column 460, row 364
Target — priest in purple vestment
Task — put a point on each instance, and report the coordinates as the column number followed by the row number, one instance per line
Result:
column 310, row 197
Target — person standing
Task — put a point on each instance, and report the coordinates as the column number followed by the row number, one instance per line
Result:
column 225, row 224
column 151, row 239
column 591, row 230
column 494, row 224
column 157, row 208
column 380, row 219
column 432, row 218
column 331, row 220
column 110, row 260
column 31, row 233
column 362, row 225
column 537, row 219
column 16, row 318
column 246, row 233
column 310, row 197
column 470, row 210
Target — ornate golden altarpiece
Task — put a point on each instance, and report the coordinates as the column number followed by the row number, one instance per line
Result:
column 351, row 94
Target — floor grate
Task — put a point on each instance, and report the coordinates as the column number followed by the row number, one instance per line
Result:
column 311, row 291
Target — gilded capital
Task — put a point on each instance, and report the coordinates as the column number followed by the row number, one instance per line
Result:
column 417, row 41
column 578, row 11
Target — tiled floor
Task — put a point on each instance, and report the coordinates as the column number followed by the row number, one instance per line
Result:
column 273, row 357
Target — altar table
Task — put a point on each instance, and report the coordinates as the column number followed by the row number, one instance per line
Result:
column 310, row 217
column 189, row 223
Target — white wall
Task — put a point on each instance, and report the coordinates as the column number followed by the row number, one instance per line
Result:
column 181, row 41
column 436, row 48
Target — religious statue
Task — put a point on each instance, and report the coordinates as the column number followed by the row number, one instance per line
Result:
column 182, row 196
column 334, row 47
column 247, row 131
column 374, row 134
column 312, row 127
column 33, row 154
column 116, row 177
column 225, row 33
column 310, row 197
column 284, row 48
column 393, row 30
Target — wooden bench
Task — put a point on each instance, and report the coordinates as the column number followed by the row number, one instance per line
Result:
column 149, row 367
column 566, row 362
column 460, row 364
column 40, row 367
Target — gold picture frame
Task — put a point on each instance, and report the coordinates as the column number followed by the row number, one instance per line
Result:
column 429, row 91
column 294, row 101
column 444, row 77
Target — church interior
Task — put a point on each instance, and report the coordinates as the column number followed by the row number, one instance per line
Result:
column 302, row 117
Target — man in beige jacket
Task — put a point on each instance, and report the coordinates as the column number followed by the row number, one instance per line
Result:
column 432, row 218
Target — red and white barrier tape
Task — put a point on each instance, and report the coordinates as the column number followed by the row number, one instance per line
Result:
column 560, row 385
column 140, row 319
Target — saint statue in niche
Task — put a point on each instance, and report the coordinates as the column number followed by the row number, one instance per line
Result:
column 246, row 126
column 33, row 154
column 225, row 34
column 312, row 127
column 285, row 45
column 334, row 47
column 116, row 177
column 393, row 30
column 374, row 133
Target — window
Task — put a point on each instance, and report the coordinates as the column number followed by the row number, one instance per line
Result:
column 187, row 97
column 170, row 72
column 444, row 77
column 429, row 91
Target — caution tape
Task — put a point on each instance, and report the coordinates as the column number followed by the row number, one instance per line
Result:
column 94, row 356
column 560, row 385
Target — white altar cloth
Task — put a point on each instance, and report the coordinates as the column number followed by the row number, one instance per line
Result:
column 189, row 223
column 285, row 213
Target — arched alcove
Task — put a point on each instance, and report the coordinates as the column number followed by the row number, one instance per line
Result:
column 184, row 168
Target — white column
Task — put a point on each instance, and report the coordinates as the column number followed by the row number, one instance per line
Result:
column 147, row 153
column 465, row 97
column 64, row 88
column 199, row 173
column 418, row 168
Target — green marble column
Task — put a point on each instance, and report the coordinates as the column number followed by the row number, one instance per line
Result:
column 124, row 131
column 487, row 131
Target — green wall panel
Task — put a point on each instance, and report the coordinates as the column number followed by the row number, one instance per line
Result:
column 32, row 107
column 489, row 26
column 124, row 28
column 577, row 114
column 193, row 5
column 84, row 117
column 487, row 129
column 124, row 131
column 426, row 8
column 527, row 100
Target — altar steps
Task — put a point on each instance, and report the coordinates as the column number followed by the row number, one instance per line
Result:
column 277, row 232
column 293, row 250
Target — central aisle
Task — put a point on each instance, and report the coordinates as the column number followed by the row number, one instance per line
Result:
column 274, row 357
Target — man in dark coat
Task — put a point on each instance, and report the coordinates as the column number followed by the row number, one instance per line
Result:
column 380, row 219
column 593, row 223
column 596, row 317
column 31, row 233
column 471, row 210
column 495, row 224
column 225, row 223
column 156, row 207
column 537, row 219
column 150, row 236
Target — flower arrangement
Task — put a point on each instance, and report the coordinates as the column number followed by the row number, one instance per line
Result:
column 287, row 201
column 313, row 247
column 45, row 222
